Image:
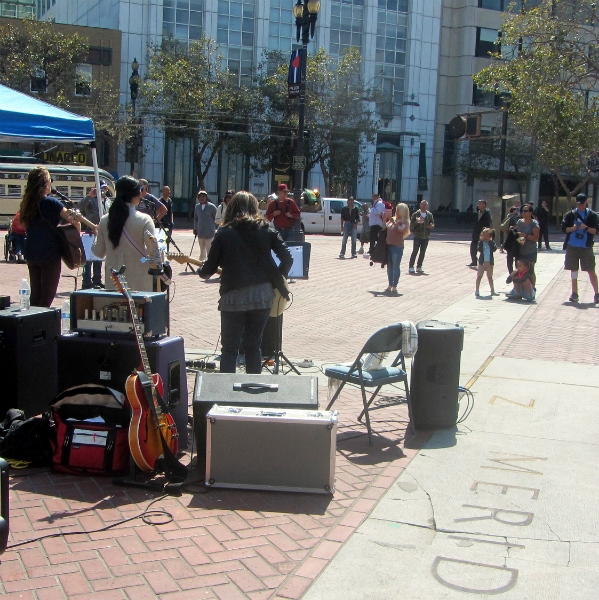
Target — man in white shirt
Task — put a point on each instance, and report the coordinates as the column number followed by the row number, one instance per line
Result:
column 375, row 220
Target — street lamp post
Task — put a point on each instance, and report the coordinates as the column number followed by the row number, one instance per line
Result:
column 306, row 14
column 134, row 87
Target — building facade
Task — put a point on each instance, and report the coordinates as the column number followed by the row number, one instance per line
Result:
column 399, row 41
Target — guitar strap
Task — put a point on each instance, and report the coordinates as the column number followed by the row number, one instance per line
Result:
column 175, row 472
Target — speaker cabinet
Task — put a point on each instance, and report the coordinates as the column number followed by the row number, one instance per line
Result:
column 28, row 359
column 109, row 361
column 436, row 375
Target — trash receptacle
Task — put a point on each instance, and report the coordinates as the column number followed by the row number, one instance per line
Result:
column 435, row 375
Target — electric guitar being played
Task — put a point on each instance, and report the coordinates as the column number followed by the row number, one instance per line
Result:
column 152, row 432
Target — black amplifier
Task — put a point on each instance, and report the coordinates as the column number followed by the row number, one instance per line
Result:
column 240, row 389
column 103, row 312
column 28, row 359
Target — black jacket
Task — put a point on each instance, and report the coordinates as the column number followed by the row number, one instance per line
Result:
column 235, row 248
column 484, row 221
column 592, row 221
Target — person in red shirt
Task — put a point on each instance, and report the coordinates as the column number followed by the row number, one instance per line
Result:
column 17, row 236
column 284, row 213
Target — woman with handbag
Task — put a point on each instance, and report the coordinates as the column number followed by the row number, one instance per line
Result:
column 242, row 248
column 123, row 237
column 41, row 214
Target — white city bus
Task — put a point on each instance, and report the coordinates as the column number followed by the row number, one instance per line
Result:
column 73, row 181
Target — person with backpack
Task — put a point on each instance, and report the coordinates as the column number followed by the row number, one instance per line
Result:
column 283, row 212
column 580, row 226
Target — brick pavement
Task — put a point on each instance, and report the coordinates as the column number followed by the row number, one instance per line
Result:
column 233, row 544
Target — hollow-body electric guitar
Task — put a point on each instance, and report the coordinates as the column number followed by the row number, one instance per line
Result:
column 151, row 426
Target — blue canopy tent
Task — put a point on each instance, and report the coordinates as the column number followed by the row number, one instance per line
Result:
column 23, row 118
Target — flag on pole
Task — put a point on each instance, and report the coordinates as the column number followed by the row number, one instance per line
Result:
column 295, row 72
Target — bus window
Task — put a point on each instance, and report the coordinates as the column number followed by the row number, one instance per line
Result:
column 76, row 193
column 63, row 189
column 2, row 189
column 14, row 190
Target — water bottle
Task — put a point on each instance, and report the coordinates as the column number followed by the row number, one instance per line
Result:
column 65, row 313
column 24, row 294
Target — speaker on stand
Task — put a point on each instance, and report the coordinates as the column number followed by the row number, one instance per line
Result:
column 435, row 375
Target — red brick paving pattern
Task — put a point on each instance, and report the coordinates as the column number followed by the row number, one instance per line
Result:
column 232, row 544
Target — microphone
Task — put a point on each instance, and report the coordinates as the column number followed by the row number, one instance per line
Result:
column 61, row 196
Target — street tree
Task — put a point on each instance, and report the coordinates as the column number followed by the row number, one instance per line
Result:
column 38, row 59
column 189, row 95
column 551, row 79
column 479, row 158
column 340, row 117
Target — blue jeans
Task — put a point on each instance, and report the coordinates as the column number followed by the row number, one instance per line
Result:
column 394, row 254
column 251, row 325
column 94, row 266
column 18, row 241
column 349, row 229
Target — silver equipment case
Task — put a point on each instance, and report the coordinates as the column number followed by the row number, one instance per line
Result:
column 271, row 449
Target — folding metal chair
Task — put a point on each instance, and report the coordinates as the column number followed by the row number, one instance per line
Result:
column 385, row 340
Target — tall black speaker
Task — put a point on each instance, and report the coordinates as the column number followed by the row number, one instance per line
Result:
column 436, row 375
column 28, row 359
column 109, row 361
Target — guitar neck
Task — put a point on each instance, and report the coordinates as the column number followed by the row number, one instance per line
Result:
column 140, row 340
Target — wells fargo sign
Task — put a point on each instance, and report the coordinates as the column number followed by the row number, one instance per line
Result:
column 78, row 158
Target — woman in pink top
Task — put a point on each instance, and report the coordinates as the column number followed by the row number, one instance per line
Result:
column 398, row 228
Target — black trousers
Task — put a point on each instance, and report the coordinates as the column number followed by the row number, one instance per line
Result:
column 374, row 236
column 420, row 245
column 544, row 235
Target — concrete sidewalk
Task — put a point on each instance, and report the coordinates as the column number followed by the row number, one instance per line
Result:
column 506, row 502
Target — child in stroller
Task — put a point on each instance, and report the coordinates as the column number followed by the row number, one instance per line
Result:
column 15, row 241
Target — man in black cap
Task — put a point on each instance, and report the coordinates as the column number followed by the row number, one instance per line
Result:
column 580, row 226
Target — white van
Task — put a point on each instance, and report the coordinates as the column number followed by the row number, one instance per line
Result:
column 325, row 216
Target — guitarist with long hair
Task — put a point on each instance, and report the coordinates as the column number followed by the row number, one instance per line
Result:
column 242, row 248
column 40, row 214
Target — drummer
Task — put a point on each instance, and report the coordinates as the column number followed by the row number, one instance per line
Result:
column 92, row 272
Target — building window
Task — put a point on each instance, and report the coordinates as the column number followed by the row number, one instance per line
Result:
column 281, row 29
column 182, row 19
column 235, row 31
column 391, row 44
column 83, row 80
column 482, row 97
column 99, row 56
column 39, row 83
column 347, row 24
column 486, row 42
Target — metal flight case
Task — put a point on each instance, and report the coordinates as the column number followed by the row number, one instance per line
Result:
column 240, row 389
column 271, row 449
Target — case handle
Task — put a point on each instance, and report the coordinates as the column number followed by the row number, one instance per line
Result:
column 272, row 413
column 273, row 387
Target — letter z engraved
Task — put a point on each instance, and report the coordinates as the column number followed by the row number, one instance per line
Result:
column 529, row 405
column 512, row 458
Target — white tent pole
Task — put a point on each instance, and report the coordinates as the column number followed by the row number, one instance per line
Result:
column 97, row 179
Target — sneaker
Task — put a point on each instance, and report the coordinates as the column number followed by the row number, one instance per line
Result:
column 477, row 294
column 420, row 270
column 596, row 300
column 366, row 255
column 494, row 294
column 513, row 294
column 472, row 265
column 412, row 270
column 292, row 280
column 361, row 251
column 394, row 291
column 87, row 286
column 342, row 256
column 354, row 256
column 574, row 298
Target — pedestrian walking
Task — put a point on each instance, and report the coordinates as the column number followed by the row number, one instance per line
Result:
column 580, row 226
column 542, row 215
column 421, row 224
column 203, row 223
column 375, row 219
column 483, row 220
column 365, row 233
column 486, row 249
column 398, row 228
column 350, row 217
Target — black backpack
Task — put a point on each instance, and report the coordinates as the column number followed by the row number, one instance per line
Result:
column 379, row 252
column 26, row 439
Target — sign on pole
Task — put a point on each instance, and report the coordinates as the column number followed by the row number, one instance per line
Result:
column 299, row 163
column 375, row 180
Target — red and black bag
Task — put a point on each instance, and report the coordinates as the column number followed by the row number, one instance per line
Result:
column 90, row 431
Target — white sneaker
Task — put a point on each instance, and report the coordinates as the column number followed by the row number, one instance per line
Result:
column 292, row 280
column 412, row 270
column 420, row 270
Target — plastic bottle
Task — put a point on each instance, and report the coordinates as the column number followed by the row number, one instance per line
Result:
column 24, row 294
column 65, row 313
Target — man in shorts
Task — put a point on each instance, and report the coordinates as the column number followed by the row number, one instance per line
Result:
column 580, row 226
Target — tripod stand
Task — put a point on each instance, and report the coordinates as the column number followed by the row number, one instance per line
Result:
column 277, row 355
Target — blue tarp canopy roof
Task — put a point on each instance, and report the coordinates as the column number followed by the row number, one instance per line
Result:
column 25, row 118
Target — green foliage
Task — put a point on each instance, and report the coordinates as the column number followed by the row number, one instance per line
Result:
column 552, row 83
column 36, row 49
column 339, row 114
column 188, row 94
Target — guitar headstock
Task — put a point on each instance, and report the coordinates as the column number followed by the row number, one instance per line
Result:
column 120, row 283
